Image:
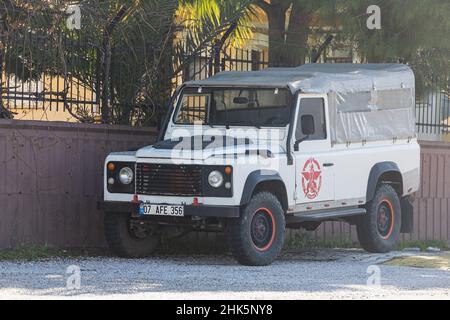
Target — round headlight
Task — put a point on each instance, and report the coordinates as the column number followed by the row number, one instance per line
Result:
column 125, row 175
column 215, row 179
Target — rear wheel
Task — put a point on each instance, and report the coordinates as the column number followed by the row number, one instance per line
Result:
column 256, row 238
column 127, row 238
column 379, row 229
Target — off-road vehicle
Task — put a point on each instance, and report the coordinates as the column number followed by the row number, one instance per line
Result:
column 253, row 153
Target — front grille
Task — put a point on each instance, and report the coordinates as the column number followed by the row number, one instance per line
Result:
column 168, row 179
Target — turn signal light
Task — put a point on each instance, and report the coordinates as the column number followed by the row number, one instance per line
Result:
column 111, row 166
column 227, row 170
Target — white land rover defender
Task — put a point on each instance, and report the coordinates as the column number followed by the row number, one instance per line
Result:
column 253, row 153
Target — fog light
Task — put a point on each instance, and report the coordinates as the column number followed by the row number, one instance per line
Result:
column 111, row 181
column 228, row 185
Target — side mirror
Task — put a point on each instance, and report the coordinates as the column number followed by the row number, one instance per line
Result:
column 308, row 125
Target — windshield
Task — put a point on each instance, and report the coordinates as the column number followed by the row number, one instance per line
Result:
column 234, row 107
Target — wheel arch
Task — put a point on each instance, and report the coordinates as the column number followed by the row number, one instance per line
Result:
column 266, row 180
column 388, row 172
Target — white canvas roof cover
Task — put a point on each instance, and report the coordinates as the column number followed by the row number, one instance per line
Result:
column 319, row 78
column 367, row 102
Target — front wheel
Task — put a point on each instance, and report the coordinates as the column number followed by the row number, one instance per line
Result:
column 379, row 230
column 256, row 237
column 129, row 239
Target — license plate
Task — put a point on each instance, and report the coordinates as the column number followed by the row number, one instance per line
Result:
column 146, row 209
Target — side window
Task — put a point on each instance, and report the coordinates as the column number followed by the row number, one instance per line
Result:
column 312, row 108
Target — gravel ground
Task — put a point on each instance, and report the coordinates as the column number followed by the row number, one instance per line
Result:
column 315, row 274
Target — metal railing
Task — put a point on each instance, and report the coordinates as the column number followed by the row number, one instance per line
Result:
column 73, row 81
column 433, row 108
column 204, row 64
column 24, row 86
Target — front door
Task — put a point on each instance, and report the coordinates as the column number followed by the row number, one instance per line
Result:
column 312, row 152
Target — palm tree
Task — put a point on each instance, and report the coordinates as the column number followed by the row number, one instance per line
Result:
column 210, row 19
column 212, row 25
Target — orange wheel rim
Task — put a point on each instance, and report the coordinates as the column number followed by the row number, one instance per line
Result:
column 385, row 219
column 263, row 229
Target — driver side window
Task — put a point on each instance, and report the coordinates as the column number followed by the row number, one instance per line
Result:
column 312, row 108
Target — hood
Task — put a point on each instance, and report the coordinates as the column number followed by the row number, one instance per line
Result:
column 203, row 147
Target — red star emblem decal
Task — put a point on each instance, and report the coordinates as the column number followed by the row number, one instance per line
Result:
column 311, row 178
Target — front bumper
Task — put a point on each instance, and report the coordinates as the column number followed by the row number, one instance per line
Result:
column 189, row 210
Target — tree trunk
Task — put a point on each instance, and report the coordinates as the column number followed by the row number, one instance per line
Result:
column 287, row 46
column 276, row 15
column 106, row 66
column 4, row 113
column 297, row 36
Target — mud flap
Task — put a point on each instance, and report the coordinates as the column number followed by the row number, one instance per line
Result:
column 407, row 215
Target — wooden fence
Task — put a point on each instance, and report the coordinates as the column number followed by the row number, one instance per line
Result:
column 51, row 180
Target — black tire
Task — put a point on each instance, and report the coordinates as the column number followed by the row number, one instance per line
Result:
column 257, row 236
column 379, row 230
column 124, row 242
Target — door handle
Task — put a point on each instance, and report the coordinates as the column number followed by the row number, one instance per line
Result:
column 328, row 164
